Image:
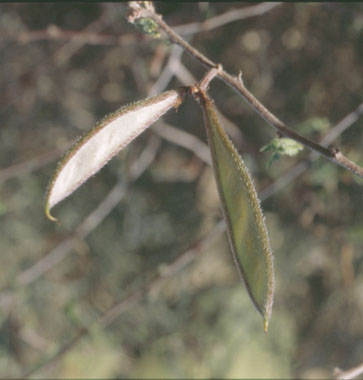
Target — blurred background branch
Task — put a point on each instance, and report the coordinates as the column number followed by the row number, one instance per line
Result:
column 226, row 17
column 138, row 281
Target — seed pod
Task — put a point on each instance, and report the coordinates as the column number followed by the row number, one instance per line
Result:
column 92, row 151
column 246, row 228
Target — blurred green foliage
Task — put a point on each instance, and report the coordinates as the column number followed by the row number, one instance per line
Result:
column 283, row 146
column 303, row 61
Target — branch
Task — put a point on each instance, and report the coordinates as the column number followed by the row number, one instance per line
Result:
column 55, row 357
column 53, row 32
column 31, row 164
column 185, row 77
column 62, row 250
column 188, row 256
column 236, row 83
column 168, row 270
column 189, row 142
column 225, row 18
column 69, row 48
column 165, row 271
column 184, row 139
column 300, row 168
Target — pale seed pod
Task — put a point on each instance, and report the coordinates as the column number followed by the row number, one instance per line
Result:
column 92, row 151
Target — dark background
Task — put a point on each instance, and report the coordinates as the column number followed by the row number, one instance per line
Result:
column 304, row 62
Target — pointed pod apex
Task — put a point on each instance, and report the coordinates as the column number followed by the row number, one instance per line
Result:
column 49, row 215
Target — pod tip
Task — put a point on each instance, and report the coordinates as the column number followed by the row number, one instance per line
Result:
column 49, row 215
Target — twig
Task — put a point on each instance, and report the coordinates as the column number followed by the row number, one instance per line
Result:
column 208, row 77
column 349, row 373
column 63, row 249
column 168, row 270
column 300, row 168
column 65, row 52
column 167, row 73
column 34, row 339
column 169, row 70
column 186, row 257
column 31, row 164
column 53, row 32
column 124, row 305
column 333, row 155
column 184, row 139
column 345, row 123
column 226, row 18
column 55, row 357
column 283, row 180
column 185, row 77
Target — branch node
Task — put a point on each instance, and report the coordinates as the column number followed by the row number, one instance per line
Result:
column 143, row 9
column 211, row 74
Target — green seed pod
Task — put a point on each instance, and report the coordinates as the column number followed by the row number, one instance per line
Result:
column 242, row 212
column 92, row 151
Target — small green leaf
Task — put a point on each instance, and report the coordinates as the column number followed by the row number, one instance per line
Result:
column 281, row 146
column 242, row 212
column 92, row 151
column 148, row 26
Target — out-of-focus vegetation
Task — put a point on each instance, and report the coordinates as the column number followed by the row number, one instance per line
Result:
column 304, row 62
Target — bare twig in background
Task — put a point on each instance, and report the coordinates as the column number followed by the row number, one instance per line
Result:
column 64, row 248
column 57, row 355
column 168, row 71
column 53, row 32
column 344, row 124
column 174, row 67
column 32, row 164
column 184, row 139
column 349, row 373
column 168, row 270
column 91, row 221
column 300, row 168
column 190, row 142
column 236, row 83
column 183, row 259
column 226, row 18
column 140, row 293
column 65, row 52
column 34, row 339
